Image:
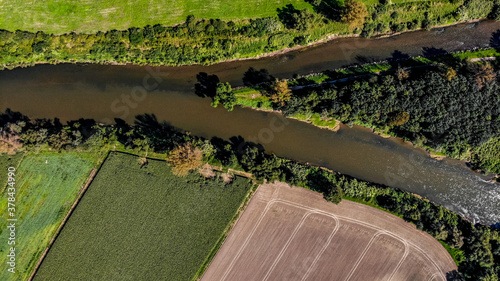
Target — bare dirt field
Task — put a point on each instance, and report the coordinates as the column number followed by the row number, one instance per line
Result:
column 290, row 233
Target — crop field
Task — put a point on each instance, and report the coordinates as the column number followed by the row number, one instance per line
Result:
column 144, row 223
column 60, row 16
column 46, row 186
column 290, row 233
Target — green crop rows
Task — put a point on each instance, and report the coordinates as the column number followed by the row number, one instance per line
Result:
column 144, row 223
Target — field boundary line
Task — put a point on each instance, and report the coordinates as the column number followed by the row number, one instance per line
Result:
column 238, row 254
column 82, row 190
column 390, row 233
column 408, row 244
column 239, row 213
column 436, row 274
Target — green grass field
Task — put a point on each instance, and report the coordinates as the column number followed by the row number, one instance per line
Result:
column 47, row 185
column 91, row 16
column 7, row 161
column 144, row 223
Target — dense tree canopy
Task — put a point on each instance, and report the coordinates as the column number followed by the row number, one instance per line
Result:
column 449, row 111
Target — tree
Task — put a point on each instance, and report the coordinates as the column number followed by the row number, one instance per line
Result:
column 184, row 159
column 335, row 194
column 484, row 74
column 399, row 118
column 279, row 92
column 224, row 95
column 450, row 74
column 401, row 73
column 354, row 13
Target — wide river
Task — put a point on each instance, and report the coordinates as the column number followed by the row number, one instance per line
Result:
column 102, row 92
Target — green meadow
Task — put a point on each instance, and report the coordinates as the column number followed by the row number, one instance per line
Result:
column 46, row 186
column 90, row 16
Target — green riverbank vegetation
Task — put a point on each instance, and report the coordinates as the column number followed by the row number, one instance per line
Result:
column 478, row 244
column 204, row 41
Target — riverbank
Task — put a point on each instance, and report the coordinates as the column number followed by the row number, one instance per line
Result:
column 48, row 50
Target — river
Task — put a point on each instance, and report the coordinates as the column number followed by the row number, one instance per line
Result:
column 104, row 92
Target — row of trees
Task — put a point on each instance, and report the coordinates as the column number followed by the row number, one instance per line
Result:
column 476, row 247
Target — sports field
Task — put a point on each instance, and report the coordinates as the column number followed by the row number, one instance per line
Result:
column 59, row 16
column 290, row 233
column 142, row 223
column 46, row 186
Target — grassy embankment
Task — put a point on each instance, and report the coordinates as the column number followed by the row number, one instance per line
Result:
column 46, row 187
column 156, row 225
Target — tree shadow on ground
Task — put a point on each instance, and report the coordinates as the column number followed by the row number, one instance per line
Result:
column 330, row 9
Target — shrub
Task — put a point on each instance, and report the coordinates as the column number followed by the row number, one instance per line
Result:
column 354, row 13
column 475, row 9
column 184, row 159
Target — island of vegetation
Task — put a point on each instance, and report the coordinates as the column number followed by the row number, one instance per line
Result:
column 445, row 103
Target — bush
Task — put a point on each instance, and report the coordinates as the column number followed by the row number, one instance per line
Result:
column 354, row 13
column 475, row 9
column 280, row 40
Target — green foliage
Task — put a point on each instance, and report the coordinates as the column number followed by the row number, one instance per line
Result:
column 456, row 254
column 487, row 155
column 47, row 185
column 425, row 107
column 224, row 95
column 280, row 41
column 354, row 13
column 135, row 216
column 475, row 9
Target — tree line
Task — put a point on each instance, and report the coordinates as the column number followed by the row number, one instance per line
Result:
column 475, row 248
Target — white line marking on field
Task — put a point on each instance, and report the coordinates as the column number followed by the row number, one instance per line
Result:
column 286, row 245
column 363, row 254
column 437, row 274
column 337, row 217
column 268, row 206
column 310, row 212
column 322, row 250
column 407, row 251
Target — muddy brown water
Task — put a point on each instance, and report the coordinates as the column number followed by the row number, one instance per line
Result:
column 103, row 92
